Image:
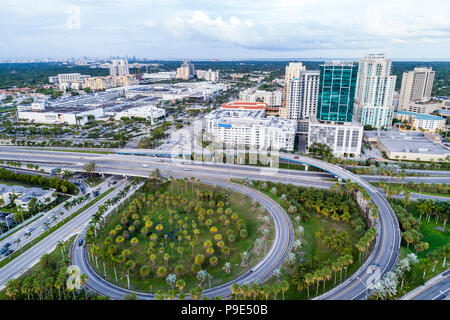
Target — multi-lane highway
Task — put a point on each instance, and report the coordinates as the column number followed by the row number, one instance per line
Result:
column 382, row 259
column 27, row 259
column 437, row 288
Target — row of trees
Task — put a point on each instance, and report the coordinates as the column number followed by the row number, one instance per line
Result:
column 42, row 181
column 191, row 235
column 48, row 280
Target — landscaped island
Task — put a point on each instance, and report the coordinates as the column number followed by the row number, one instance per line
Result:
column 179, row 234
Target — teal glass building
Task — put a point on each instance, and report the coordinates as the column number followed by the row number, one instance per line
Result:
column 337, row 91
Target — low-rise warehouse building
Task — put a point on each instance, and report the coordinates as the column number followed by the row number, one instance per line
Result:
column 24, row 195
column 57, row 115
column 400, row 145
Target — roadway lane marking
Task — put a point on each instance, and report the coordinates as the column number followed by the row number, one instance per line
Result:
column 426, row 288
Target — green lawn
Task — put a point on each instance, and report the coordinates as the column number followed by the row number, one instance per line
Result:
column 159, row 214
column 314, row 247
column 404, row 188
column 435, row 238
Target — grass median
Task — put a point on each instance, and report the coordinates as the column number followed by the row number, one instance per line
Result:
column 53, row 229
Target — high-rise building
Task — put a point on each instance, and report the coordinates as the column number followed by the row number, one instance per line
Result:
column 292, row 71
column 416, row 86
column 186, row 71
column 375, row 92
column 335, row 125
column 337, row 91
column 119, row 68
column 303, row 95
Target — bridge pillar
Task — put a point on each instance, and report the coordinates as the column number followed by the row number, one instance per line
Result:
column 339, row 179
column 306, row 167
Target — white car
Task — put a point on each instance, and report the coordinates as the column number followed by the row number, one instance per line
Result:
column 145, row 165
column 187, row 169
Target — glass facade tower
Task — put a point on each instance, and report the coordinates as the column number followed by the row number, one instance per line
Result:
column 337, row 91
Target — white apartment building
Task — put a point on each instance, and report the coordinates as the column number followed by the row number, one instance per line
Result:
column 272, row 99
column 68, row 80
column 209, row 75
column 416, row 86
column 293, row 70
column 419, row 121
column 186, row 71
column 250, row 128
column 303, row 95
column 119, row 68
column 344, row 139
column 103, row 83
column 375, row 92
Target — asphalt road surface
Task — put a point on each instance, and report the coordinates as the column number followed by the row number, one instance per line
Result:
column 273, row 259
column 386, row 249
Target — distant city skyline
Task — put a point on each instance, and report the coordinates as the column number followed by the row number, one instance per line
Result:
column 229, row 30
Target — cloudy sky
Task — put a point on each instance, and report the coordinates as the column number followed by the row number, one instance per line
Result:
column 225, row 29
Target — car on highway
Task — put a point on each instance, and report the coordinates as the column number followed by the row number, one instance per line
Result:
column 44, row 228
column 7, row 245
column 80, row 242
column 3, row 250
column 296, row 158
column 31, row 229
column 187, row 169
column 145, row 165
column 7, row 253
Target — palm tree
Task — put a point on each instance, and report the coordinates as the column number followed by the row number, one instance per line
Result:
column 90, row 168
column 60, row 245
column 129, row 266
column 83, row 281
column 276, row 288
column 284, row 286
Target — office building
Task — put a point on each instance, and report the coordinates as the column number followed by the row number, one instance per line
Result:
column 334, row 124
column 119, row 68
column 250, row 128
column 375, row 92
column 337, row 91
column 416, row 86
column 209, row 75
column 186, row 71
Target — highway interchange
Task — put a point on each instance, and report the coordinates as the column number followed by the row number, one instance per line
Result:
column 382, row 259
